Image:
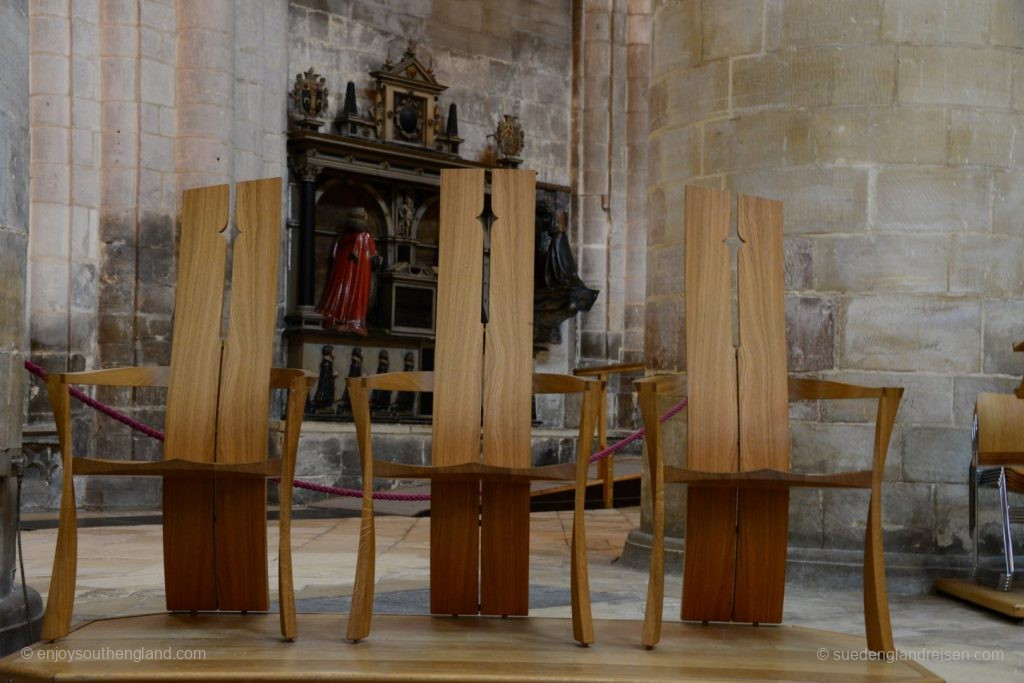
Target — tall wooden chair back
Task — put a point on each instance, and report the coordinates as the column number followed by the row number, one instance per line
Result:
column 482, row 392
column 735, row 561
column 215, row 545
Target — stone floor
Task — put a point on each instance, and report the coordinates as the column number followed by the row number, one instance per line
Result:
column 120, row 572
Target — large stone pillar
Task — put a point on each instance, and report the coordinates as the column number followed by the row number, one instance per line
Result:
column 889, row 130
column 14, row 149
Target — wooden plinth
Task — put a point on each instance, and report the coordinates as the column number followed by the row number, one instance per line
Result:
column 422, row 648
column 1010, row 603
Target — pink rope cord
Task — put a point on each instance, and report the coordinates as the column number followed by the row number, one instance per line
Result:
column 635, row 436
column 103, row 408
column 322, row 488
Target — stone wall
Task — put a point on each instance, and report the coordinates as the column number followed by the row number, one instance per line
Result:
column 494, row 56
column 132, row 102
column 888, row 128
column 14, row 153
column 610, row 177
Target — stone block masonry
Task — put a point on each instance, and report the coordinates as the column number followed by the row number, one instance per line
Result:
column 130, row 103
column 888, row 129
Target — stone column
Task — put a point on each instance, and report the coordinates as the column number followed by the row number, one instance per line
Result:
column 888, row 129
column 14, row 106
column 612, row 54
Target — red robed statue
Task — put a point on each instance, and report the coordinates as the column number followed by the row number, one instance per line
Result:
column 346, row 294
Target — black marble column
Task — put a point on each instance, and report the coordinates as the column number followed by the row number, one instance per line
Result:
column 306, row 296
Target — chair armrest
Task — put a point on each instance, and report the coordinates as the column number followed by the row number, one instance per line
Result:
column 604, row 370
column 395, row 381
column 888, row 405
column 672, row 384
column 281, row 378
column 546, row 383
column 809, row 388
column 140, row 376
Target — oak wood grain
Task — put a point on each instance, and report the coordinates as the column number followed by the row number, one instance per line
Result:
column 458, row 368
column 712, row 419
column 762, row 515
column 1010, row 603
column 361, row 613
column 877, row 624
column 740, row 495
column 507, row 387
column 178, row 468
column 474, row 471
column 606, row 466
column 191, row 416
column 141, row 376
column 579, row 583
column 60, row 600
column 422, row 648
column 197, row 461
column 244, row 405
column 297, row 393
column 654, row 608
column 769, row 479
column 1000, row 429
column 480, row 462
column 610, row 369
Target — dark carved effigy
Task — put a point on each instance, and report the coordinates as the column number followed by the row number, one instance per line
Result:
column 366, row 208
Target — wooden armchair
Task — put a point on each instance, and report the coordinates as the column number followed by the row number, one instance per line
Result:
column 480, row 450
column 606, row 466
column 215, row 449
column 738, row 431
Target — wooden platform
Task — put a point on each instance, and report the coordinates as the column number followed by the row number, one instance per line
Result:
column 1010, row 603
column 420, row 648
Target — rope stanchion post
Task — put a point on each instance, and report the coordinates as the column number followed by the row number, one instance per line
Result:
column 322, row 488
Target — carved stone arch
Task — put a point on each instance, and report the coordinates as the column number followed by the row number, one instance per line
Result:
column 429, row 203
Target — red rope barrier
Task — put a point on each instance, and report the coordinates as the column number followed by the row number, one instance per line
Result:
column 311, row 486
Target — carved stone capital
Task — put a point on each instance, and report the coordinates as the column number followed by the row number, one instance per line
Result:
column 307, row 170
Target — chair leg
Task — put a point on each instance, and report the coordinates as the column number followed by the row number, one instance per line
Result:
column 285, row 587
column 361, row 611
column 60, row 603
column 582, row 620
column 1004, row 513
column 876, row 600
column 654, row 608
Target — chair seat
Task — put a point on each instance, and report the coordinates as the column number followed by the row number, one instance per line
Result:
column 474, row 471
column 175, row 467
column 769, row 479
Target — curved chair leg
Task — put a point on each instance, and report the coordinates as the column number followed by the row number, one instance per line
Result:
column 361, row 611
column 653, row 610
column 582, row 621
column 60, row 602
column 876, row 599
column 655, row 580
column 297, row 393
column 285, row 587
